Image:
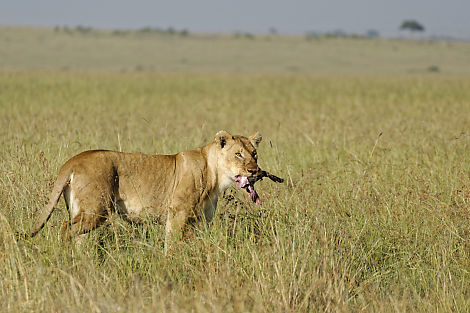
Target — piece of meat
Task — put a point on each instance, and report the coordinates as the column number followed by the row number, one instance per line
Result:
column 248, row 183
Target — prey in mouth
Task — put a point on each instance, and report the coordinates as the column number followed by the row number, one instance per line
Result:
column 248, row 183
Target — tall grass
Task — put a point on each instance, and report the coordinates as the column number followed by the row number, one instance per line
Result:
column 374, row 215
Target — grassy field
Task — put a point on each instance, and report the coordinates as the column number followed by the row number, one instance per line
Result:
column 46, row 49
column 374, row 215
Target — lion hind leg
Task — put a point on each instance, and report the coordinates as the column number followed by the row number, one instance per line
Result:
column 86, row 213
column 83, row 223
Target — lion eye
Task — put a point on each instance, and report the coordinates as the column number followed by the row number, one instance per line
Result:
column 238, row 154
column 254, row 155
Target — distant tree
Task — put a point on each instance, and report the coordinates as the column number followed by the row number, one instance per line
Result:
column 249, row 36
column 412, row 26
column 273, row 31
column 372, row 33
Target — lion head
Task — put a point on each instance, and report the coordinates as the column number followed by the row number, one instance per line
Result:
column 238, row 158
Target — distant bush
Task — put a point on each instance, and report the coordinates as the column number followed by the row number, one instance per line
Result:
column 83, row 29
column 433, row 69
column 340, row 34
column 169, row 31
column 64, row 29
column 148, row 30
column 78, row 29
column 372, row 33
column 67, row 30
column 120, row 32
column 243, row 35
column 312, row 35
column 337, row 34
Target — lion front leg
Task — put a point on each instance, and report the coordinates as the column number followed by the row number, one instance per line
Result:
column 183, row 205
column 176, row 220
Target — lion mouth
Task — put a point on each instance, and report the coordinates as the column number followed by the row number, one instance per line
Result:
column 244, row 183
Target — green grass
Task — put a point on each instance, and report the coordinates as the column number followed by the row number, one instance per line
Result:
column 365, row 222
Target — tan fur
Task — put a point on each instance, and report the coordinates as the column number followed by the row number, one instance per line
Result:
column 171, row 188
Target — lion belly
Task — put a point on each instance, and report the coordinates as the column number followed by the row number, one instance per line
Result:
column 141, row 203
column 145, row 186
column 137, row 212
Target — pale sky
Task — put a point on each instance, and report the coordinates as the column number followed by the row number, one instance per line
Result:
column 440, row 17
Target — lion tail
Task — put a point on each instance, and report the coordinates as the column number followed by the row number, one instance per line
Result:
column 62, row 180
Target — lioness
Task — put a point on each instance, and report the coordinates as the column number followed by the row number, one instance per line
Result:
column 160, row 187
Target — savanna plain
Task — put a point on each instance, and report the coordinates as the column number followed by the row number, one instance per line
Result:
column 371, row 136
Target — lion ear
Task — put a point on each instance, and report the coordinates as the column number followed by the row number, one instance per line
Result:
column 221, row 138
column 255, row 139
